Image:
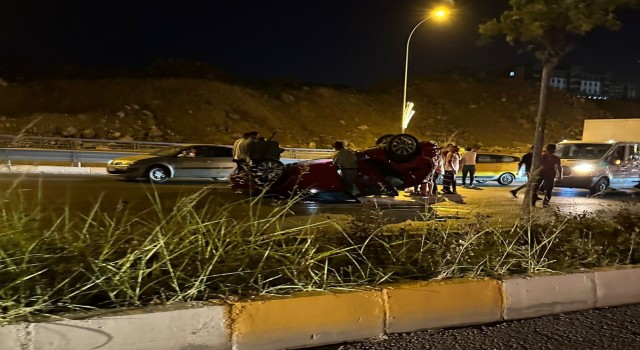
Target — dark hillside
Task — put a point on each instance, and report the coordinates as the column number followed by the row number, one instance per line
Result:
column 492, row 113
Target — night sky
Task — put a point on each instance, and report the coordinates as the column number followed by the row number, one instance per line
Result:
column 330, row 42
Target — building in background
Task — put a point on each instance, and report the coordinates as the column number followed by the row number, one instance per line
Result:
column 577, row 81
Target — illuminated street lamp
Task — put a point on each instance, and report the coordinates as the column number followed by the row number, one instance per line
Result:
column 440, row 14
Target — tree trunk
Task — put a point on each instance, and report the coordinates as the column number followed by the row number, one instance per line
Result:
column 538, row 142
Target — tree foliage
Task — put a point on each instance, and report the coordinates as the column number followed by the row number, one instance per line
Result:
column 549, row 27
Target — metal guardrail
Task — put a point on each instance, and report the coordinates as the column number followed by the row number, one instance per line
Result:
column 74, row 143
column 78, row 151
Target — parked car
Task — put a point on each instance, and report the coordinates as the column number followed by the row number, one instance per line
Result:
column 397, row 162
column 182, row 161
column 502, row 168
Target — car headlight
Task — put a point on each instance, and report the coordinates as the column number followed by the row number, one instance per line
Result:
column 583, row 168
column 120, row 162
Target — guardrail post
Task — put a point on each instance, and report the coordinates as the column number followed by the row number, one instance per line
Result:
column 75, row 160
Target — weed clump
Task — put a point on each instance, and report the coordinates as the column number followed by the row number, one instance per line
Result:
column 195, row 251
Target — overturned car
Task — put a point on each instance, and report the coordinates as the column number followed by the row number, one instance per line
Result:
column 395, row 162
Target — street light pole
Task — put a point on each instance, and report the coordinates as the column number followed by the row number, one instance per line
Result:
column 438, row 13
column 406, row 70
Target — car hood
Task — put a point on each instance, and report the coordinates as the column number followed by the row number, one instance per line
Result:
column 571, row 162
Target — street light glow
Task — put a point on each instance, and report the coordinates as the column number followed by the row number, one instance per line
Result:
column 439, row 14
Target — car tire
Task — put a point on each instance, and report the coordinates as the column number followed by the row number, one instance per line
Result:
column 506, row 179
column 158, row 174
column 383, row 139
column 269, row 172
column 402, row 147
column 600, row 186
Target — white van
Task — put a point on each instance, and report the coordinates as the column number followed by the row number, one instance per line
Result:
column 596, row 166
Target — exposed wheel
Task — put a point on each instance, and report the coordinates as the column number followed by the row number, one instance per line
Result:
column 600, row 186
column 506, row 179
column 158, row 174
column 383, row 139
column 402, row 147
column 269, row 171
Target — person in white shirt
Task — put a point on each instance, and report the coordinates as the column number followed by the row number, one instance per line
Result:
column 468, row 166
column 451, row 167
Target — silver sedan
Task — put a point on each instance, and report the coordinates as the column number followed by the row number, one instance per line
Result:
column 183, row 161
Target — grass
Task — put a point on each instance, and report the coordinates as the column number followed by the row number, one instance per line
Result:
column 196, row 250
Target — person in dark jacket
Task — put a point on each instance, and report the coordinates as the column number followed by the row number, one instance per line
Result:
column 526, row 161
column 550, row 168
column 347, row 163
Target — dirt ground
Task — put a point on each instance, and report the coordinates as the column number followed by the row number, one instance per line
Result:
column 489, row 113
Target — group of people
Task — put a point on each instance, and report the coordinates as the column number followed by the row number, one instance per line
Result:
column 252, row 149
column 448, row 163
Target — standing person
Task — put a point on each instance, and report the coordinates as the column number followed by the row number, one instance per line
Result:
column 438, row 169
column 549, row 168
column 451, row 167
column 526, row 161
column 347, row 163
column 236, row 152
column 469, row 167
column 245, row 149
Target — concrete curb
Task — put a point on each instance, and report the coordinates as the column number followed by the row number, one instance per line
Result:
column 313, row 319
column 51, row 169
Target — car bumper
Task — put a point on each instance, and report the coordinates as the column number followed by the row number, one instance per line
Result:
column 125, row 171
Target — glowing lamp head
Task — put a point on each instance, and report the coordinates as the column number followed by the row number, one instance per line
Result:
column 440, row 13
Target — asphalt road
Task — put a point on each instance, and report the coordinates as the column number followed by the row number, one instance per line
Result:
column 611, row 329
column 81, row 193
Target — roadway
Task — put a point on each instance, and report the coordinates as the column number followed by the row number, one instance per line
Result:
column 611, row 329
column 80, row 193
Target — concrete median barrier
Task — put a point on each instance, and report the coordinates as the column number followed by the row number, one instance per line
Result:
column 319, row 318
column 197, row 328
column 307, row 321
column 15, row 336
column 415, row 306
column 548, row 295
column 619, row 286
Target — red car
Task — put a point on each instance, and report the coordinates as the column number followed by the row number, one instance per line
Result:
column 396, row 162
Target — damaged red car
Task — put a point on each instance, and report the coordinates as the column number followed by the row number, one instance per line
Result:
column 395, row 162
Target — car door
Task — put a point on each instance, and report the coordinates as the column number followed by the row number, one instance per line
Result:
column 183, row 164
column 197, row 165
column 485, row 166
column 220, row 162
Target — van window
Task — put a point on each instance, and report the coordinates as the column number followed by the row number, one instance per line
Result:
column 618, row 154
column 582, row 150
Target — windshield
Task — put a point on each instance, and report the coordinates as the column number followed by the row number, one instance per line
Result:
column 582, row 150
column 169, row 151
